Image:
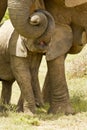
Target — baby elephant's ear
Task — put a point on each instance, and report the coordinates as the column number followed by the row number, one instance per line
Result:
column 72, row 3
column 60, row 43
column 17, row 46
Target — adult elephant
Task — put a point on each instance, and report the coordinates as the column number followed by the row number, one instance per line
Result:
column 20, row 16
column 76, row 18
column 3, row 7
column 70, row 24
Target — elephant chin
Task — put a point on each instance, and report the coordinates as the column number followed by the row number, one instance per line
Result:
column 41, row 46
column 36, row 46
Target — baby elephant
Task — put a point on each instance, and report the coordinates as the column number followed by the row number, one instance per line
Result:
column 14, row 65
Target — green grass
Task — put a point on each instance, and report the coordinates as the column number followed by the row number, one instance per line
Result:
column 6, row 17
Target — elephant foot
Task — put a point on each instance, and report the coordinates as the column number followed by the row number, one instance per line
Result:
column 61, row 108
column 39, row 101
column 39, row 104
column 28, row 112
column 20, row 108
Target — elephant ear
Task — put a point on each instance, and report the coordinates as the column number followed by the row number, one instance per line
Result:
column 17, row 46
column 60, row 43
column 72, row 3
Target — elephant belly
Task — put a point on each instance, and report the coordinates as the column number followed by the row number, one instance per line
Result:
column 60, row 13
column 66, row 15
column 82, row 20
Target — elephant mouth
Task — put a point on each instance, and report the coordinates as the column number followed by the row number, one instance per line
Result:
column 38, row 45
column 41, row 46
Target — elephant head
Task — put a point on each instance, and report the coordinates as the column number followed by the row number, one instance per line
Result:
column 29, row 25
column 72, row 3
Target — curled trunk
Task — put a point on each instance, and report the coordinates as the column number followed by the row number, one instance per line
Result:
column 19, row 11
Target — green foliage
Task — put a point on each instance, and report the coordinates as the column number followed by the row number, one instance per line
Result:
column 6, row 17
column 25, row 119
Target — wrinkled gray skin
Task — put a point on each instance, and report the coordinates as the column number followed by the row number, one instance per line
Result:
column 68, row 32
column 76, row 18
column 25, row 69
column 22, row 64
column 70, row 24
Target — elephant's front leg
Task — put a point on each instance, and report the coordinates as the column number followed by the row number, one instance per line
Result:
column 46, row 89
column 20, row 69
column 60, row 101
column 34, row 67
column 20, row 103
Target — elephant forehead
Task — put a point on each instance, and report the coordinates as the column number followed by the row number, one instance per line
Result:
column 72, row 3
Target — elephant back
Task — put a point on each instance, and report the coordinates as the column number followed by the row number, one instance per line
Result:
column 5, row 33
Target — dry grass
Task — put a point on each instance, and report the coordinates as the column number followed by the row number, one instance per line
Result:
column 76, row 65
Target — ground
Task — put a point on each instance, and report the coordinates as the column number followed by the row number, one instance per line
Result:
column 11, row 120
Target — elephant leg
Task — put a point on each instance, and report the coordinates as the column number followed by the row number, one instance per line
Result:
column 34, row 67
column 78, row 40
column 6, row 91
column 20, row 103
column 20, row 69
column 59, row 101
column 46, row 89
column 5, row 94
column 35, row 61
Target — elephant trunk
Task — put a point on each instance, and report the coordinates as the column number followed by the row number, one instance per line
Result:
column 28, row 26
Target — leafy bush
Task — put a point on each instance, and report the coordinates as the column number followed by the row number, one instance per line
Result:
column 5, row 17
